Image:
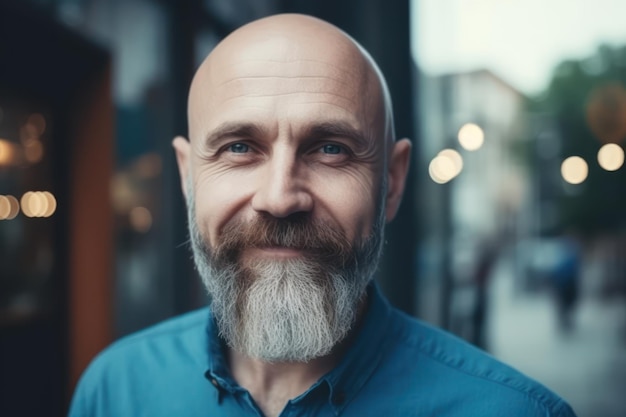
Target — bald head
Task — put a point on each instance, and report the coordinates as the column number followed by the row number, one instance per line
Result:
column 292, row 113
column 285, row 53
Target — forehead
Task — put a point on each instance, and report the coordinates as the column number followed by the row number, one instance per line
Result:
column 278, row 79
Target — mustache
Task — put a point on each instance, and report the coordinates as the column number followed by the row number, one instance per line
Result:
column 317, row 239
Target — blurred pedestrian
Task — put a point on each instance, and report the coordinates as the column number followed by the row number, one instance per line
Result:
column 487, row 258
column 565, row 280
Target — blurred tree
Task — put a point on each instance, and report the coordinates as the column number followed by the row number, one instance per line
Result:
column 587, row 101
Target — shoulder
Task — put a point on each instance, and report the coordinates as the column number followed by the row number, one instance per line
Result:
column 430, row 360
column 185, row 331
column 173, row 350
column 171, row 328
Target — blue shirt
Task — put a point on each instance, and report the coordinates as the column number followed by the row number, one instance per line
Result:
column 397, row 366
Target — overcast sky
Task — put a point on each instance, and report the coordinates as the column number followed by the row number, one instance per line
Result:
column 520, row 40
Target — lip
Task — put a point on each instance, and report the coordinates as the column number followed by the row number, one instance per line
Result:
column 275, row 252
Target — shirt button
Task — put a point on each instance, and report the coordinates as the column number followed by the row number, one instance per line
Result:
column 339, row 398
column 214, row 382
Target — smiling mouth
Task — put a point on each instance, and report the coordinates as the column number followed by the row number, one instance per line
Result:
column 275, row 252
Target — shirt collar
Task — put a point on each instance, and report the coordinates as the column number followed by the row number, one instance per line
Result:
column 347, row 378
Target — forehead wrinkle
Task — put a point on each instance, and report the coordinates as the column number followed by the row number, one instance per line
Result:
column 289, row 77
column 323, row 102
column 252, row 66
column 345, row 99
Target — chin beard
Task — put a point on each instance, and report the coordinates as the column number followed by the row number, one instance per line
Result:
column 285, row 310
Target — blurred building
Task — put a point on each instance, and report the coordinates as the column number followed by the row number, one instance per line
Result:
column 483, row 202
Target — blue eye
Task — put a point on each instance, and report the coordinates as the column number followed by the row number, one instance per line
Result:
column 332, row 149
column 239, row 148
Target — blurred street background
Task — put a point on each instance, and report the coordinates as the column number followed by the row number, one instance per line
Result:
column 512, row 231
column 585, row 364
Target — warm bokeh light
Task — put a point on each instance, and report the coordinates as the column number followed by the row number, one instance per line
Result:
column 148, row 165
column 471, row 137
column 25, row 203
column 7, row 153
column 38, row 204
column 32, row 204
column 33, row 150
column 5, row 207
column 433, row 174
column 574, row 170
column 140, row 219
column 611, row 157
column 441, row 169
column 28, row 132
column 14, row 207
column 38, row 122
column 51, row 203
column 606, row 112
column 456, row 159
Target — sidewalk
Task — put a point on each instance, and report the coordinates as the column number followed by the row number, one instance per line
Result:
column 586, row 367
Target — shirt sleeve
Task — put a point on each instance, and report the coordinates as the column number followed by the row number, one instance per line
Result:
column 80, row 400
column 86, row 401
column 562, row 409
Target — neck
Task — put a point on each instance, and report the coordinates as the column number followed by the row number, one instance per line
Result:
column 273, row 384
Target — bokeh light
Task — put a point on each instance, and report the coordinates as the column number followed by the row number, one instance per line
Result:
column 574, row 170
column 5, row 207
column 9, row 207
column 148, row 166
column 52, row 203
column 7, row 152
column 33, row 150
column 38, row 122
column 28, row 132
column 14, row 207
column 611, row 157
column 140, row 219
column 471, row 137
column 456, row 159
column 38, row 204
column 445, row 166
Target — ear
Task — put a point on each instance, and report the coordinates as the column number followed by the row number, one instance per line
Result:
column 182, row 147
column 396, row 176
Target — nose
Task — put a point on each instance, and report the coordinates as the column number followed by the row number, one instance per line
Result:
column 282, row 189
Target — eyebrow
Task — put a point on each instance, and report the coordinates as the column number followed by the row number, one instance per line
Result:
column 334, row 128
column 234, row 129
column 312, row 131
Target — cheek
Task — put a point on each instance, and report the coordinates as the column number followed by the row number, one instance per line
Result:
column 351, row 201
column 217, row 202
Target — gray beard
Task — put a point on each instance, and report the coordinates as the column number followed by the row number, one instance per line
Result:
column 291, row 310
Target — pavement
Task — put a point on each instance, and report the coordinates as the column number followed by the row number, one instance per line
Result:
column 586, row 366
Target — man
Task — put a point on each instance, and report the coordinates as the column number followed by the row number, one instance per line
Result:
column 290, row 173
